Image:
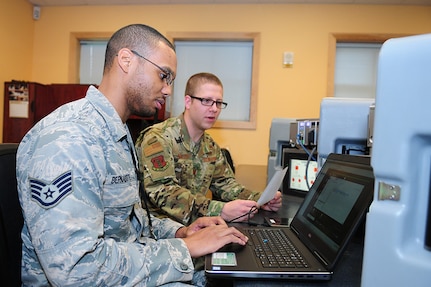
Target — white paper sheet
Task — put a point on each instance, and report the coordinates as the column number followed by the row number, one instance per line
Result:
column 272, row 187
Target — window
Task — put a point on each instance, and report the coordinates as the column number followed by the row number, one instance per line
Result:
column 233, row 57
column 75, row 59
column 230, row 61
column 91, row 61
column 356, row 70
column 347, row 76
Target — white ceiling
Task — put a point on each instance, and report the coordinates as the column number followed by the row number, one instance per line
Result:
column 147, row 2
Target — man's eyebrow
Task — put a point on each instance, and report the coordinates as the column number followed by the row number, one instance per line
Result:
column 169, row 70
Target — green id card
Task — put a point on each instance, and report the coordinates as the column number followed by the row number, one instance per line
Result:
column 223, row 259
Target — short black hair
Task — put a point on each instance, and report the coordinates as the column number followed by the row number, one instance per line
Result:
column 135, row 37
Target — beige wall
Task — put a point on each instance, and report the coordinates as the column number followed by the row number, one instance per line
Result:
column 16, row 33
column 16, row 50
column 282, row 92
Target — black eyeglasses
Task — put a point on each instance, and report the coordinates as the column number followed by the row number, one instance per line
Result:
column 209, row 102
column 164, row 75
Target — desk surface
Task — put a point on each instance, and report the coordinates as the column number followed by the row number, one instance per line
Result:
column 348, row 270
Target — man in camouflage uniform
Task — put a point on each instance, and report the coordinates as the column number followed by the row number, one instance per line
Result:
column 78, row 183
column 182, row 163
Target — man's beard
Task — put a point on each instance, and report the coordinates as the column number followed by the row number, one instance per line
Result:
column 138, row 107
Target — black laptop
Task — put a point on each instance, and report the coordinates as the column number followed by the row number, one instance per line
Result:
column 320, row 231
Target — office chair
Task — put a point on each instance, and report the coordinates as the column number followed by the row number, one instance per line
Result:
column 228, row 157
column 11, row 219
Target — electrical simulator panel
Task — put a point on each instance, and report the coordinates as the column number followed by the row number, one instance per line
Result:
column 304, row 132
column 284, row 134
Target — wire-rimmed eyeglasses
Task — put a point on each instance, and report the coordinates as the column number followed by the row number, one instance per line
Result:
column 164, row 75
column 210, row 102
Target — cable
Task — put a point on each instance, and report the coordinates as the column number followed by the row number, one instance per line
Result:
column 249, row 213
column 306, row 167
column 310, row 157
column 303, row 147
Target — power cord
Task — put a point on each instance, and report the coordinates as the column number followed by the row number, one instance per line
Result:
column 310, row 157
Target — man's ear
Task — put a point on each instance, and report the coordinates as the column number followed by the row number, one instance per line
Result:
column 187, row 102
column 124, row 59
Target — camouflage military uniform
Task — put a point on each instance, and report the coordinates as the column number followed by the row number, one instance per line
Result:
column 84, row 225
column 179, row 173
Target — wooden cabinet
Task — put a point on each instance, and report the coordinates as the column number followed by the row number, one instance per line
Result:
column 19, row 113
column 57, row 95
column 25, row 103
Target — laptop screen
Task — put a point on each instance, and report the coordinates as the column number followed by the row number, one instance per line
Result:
column 341, row 194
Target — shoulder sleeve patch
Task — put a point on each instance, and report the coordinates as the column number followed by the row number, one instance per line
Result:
column 153, row 149
column 159, row 163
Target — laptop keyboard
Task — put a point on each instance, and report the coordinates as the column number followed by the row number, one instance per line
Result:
column 274, row 249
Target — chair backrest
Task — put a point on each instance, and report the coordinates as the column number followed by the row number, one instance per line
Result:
column 11, row 219
column 228, row 157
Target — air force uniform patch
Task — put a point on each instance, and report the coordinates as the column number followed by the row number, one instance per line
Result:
column 48, row 195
